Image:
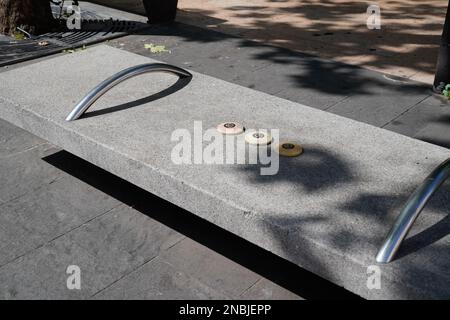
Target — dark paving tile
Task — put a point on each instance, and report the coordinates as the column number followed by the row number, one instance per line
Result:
column 14, row 139
column 25, row 171
column 436, row 133
column 158, row 280
column 382, row 102
column 14, row 242
column 42, row 273
column 124, row 238
column 429, row 113
column 209, row 267
column 267, row 290
column 48, row 212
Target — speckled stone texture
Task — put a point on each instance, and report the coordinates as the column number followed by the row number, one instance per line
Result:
column 327, row 210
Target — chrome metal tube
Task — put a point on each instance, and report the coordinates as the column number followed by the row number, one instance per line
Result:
column 411, row 211
column 119, row 77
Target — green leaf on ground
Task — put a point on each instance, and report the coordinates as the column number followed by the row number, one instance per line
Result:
column 19, row 35
column 446, row 91
column 74, row 50
column 155, row 48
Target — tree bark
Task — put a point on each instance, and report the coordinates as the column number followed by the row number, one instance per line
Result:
column 442, row 76
column 34, row 16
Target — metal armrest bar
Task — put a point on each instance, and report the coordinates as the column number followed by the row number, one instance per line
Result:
column 411, row 211
column 119, row 77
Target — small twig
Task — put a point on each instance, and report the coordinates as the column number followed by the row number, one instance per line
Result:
column 24, row 32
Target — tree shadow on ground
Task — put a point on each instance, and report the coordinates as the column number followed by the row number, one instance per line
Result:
column 409, row 37
column 302, row 71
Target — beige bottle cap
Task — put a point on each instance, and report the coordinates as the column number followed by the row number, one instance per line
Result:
column 258, row 137
column 230, row 128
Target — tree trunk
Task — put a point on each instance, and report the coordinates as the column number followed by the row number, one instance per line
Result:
column 442, row 76
column 34, row 16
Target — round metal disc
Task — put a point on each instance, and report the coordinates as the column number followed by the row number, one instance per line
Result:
column 230, row 128
column 258, row 138
column 289, row 149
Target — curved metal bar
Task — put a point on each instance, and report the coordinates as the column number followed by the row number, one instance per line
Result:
column 411, row 211
column 119, row 77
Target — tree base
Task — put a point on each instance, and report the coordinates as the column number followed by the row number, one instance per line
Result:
column 33, row 16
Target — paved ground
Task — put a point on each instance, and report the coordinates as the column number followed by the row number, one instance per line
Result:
column 405, row 46
column 406, row 107
column 57, row 210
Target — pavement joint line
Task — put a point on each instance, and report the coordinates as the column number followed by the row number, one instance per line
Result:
column 123, row 276
column 176, row 242
column 404, row 112
column 223, row 292
column 337, row 102
column 32, row 190
column 251, row 286
column 25, row 150
column 58, row 236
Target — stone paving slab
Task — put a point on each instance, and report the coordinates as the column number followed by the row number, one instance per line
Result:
column 121, row 237
column 14, row 139
column 341, row 171
column 22, row 173
column 158, row 280
column 51, row 211
column 220, row 273
column 387, row 105
column 428, row 121
column 42, row 273
column 266, row 290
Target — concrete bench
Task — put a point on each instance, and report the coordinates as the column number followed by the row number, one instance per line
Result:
column 327, row 210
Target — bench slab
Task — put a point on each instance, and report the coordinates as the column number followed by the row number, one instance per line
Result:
column 327, row 211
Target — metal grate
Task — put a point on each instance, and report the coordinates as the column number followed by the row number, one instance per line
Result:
column 94, row 28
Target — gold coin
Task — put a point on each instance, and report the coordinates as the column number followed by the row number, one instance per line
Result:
column 230, row 128
column 262, row 137
column 289, row 149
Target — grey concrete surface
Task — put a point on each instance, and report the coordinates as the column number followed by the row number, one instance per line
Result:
column 22, row 173
column 229, row 277
column 363, row 177
column 14, row 140
column 58, row 220
column 50, row 211
column 158, row 280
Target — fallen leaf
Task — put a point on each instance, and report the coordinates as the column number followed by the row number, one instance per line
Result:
column 155, row 48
